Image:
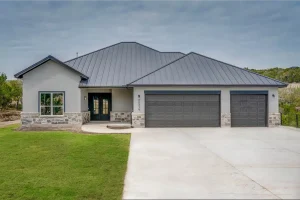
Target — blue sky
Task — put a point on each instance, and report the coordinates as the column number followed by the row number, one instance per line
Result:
column 247, row 34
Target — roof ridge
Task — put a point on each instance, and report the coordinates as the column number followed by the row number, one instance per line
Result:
column 159, row 68
column 172, row 52
column 123, row 43
column 94, row 51
column 155, row 49
column 238, row 67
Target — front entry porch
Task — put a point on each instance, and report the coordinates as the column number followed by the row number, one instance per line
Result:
column 108, row 104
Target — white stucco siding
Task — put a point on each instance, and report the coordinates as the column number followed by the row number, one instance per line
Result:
column 139, row 102
column 84, row 100
column 51, row 77
column 122, row 100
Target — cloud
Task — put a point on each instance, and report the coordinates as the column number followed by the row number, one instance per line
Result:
column 247, row 34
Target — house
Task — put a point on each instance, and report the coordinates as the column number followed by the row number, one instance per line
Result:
column 135, row 83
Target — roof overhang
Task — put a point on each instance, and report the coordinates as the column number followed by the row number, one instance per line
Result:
column 207, row 85
column 48, row 58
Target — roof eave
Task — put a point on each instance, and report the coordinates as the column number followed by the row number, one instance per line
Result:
column 206, row 85
column 39, row 63
column 115, row 86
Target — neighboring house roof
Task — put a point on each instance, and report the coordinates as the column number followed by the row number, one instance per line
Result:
column 120, row 64
column 196, row 69
column 21, row 73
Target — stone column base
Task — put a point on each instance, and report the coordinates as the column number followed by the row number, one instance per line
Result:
column 274, row 119
column 120, row 116
column 225, row 120
column 138, row 120
column 86, row 117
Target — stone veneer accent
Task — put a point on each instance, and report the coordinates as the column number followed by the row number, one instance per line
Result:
column 120, row 116
column 86, row 117
column 68, row 121
column 225, row 120
column 138, row 120
column 274, row 119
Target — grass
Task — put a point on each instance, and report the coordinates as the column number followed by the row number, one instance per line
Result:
column 61, row 165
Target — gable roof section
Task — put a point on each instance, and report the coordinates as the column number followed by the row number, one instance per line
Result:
column 196, row 69
column 28, row 69
column 120, row 64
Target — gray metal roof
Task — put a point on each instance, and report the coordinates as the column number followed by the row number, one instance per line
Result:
column 133, row 64
column 196, row 69
column 21, row 73
column 120, row 64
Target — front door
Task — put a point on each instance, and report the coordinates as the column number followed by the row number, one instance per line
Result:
column 100, row 106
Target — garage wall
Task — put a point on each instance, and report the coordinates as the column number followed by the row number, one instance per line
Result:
column 139, row 102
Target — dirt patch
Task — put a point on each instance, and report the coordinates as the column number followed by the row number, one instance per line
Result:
column 3, row 124
column 9, row 115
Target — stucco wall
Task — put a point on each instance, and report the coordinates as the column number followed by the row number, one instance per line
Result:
column 139, row 103
column 51, row 77
column 121, row 98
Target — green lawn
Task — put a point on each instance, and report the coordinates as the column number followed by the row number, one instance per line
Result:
column 61, row 165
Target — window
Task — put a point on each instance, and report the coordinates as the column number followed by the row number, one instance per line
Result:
column 96, row 105
column 51, row 103
column 105, row 106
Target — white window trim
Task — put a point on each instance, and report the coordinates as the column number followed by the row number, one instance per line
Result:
column 51, row 104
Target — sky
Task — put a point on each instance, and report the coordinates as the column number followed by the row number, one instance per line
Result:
column 246, row 34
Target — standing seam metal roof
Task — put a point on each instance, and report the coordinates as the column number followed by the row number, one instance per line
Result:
column 128, row 64
column 196, row 69
column 120, row 64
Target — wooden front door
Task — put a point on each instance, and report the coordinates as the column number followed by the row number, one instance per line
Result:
column 100, row 106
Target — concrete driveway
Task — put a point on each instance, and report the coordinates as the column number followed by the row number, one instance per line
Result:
column 189, row 163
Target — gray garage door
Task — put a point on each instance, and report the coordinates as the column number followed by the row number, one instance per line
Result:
column 182, row 110
column 248, row 110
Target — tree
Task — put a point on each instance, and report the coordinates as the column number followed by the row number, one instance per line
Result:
column 288, row 75
column 5, row 92
column 16, row 91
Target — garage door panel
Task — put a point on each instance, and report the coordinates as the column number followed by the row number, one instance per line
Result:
column 248, row 110
column 182, row 110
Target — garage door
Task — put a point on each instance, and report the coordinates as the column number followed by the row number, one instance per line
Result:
column 169, row 110
column 248, row 110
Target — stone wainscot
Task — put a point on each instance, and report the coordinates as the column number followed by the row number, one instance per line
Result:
column 120, row 116
column 73, row 121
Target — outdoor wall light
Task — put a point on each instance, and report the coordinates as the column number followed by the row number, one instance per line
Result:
column 84, row 97
column 273, row 95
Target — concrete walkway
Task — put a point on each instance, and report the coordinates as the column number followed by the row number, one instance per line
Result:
column 193, row 163
column 2, row 124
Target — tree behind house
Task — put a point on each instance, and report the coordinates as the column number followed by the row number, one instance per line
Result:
column 16, row 91
column 10, row 92
column 5, row 95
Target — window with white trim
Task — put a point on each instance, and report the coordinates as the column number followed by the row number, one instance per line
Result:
column 51, row 103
